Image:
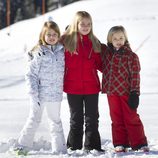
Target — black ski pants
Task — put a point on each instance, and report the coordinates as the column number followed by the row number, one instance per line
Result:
column 83, row 108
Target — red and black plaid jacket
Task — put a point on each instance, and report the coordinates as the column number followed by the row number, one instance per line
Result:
column 121, row 71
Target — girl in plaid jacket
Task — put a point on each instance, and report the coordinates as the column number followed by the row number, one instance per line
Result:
column 121, row 83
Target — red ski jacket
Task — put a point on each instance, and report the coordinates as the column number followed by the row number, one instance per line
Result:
column 81, row 76
column 121, row 71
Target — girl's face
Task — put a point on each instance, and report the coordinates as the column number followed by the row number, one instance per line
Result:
column 118, row 40
column 84, row 26
column 51, row 37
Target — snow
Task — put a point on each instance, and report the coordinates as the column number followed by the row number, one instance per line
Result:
column 139, row 17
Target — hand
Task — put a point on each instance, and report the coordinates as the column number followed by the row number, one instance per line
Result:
column 133, row 100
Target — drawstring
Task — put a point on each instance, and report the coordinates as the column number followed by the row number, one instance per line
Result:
column 90, row 53
column 53, row 48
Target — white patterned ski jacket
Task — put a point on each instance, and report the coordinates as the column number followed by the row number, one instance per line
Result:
column 45, row 73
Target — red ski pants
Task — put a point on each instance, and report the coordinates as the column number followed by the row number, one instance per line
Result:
column 127, row 128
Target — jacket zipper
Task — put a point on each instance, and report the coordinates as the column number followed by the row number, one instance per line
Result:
column 110, row 78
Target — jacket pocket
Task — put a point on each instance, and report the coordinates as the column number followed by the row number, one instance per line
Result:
column 71, row 74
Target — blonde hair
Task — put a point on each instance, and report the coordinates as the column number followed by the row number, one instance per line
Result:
column 114, row 30
column 70, row 39
column 47, row 26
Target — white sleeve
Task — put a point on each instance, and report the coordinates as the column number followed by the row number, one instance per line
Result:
column 32, row 76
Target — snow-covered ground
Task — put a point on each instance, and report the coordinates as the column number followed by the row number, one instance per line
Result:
column 139, row 17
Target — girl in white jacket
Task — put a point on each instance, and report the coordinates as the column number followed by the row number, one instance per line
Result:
column 44, row 78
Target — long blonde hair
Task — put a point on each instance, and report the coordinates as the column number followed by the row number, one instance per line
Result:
column 70, row 39
column 114, row 30
column 47, row 25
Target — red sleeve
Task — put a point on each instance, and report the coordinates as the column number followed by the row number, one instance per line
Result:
column 98, row 62
column 134, row 73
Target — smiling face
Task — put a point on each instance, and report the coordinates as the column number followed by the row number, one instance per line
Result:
column 84, row 26
column 51, row 37
column 118, row 39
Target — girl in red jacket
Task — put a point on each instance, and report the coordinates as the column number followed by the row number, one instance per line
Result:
column 121, row 82
column 81, row 82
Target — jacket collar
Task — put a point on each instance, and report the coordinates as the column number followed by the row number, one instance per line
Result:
column 122, row 49
column 55, row 48
column 83, row 37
